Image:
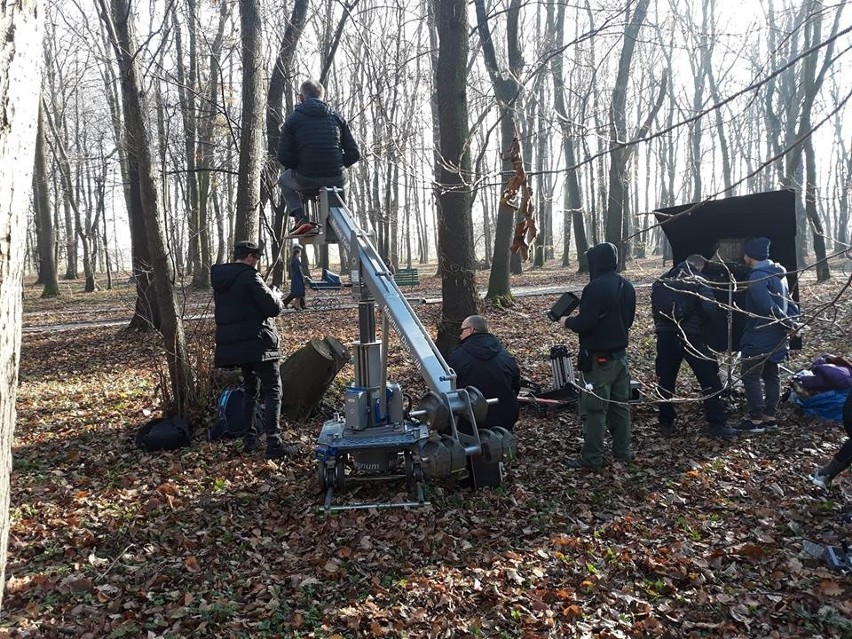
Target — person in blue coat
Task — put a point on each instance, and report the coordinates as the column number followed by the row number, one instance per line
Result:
column 297, row 281
column 765, row 340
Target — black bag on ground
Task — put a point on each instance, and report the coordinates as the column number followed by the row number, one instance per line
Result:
column 164, row 433
column 229, row 415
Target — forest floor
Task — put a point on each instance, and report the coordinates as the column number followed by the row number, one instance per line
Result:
column 696, row 538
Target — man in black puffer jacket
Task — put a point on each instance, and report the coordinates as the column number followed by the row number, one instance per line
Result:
column 606, row 312
column 314, row 147
column 681, row 330
column 246, row 337
column 482, row 362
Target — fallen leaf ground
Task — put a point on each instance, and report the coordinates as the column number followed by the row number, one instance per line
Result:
column 697, row 538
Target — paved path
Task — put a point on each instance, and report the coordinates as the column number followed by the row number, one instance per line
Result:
column 427, row 297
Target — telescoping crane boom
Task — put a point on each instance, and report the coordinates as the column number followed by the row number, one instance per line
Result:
column 377, row 434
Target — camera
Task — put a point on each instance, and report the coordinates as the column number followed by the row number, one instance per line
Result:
column 565, row 305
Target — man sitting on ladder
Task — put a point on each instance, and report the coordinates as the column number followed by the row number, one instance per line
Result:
column 314, row 147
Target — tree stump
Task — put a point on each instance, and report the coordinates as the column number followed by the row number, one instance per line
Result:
column 307, row 374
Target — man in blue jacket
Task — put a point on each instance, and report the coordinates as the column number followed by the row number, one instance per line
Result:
column 246, row 337
column 314, row 147
column 765, row 340
column 606, row 312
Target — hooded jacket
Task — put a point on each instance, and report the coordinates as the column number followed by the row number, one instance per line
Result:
column 482, row 362
column 703, row 310
column 607, row 305
column 768, row 298
column 316, row 142
column 245, row 306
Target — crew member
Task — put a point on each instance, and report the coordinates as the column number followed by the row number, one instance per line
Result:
column 246, row 337
column 314, row 147
column 606, row 312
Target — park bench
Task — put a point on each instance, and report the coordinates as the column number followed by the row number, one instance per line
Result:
column 407, row 277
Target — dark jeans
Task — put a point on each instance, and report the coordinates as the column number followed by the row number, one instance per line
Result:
column 762, row 399
column 268, row 375
column 671, row 351
column 844, row 455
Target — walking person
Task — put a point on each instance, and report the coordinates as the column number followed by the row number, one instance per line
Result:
column 297, row 280
column 606, row 312
column 765, row 340
column 684, row 311
column 246, row 338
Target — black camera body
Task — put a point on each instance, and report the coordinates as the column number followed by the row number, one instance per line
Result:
column 564, row 306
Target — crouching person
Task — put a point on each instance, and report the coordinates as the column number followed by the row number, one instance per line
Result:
column 842, row 458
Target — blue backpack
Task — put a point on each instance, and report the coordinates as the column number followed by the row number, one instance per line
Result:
column 229, row 423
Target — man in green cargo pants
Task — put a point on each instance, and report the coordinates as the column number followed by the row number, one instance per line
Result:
column 606, row 312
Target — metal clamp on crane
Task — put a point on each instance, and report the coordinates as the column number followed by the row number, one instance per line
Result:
column 377, row 435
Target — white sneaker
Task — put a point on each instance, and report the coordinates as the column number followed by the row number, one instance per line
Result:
column 818, row 479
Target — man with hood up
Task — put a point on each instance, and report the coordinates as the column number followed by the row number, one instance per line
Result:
column 246, row 338
column 765, row 340
column 314, row 147
column 482, row 361
column 606, row 312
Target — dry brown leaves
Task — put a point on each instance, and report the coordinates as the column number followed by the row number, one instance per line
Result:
column 696, row 539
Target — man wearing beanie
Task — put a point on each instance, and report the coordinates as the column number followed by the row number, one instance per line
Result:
column 765, row 340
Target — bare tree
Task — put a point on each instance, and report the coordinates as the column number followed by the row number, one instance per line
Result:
column 455, row 226
column 180, row 394
column 251, row 125
column 572, row 201
column 44, row 213
column 619, row 150
column 506, row 88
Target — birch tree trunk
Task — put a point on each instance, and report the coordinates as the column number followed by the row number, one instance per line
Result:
column 20, row 71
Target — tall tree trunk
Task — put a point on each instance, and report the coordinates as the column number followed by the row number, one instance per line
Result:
column 251, row 125
column 619, row 152
column 179, row 396
column 188, row 88
column 81, row 230
column 20, row 71
column 46, row 236
column 572, row 197
column 506, row 92
column 281, row 79
column 455, row 225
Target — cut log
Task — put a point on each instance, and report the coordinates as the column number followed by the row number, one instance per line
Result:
column 307, row 374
